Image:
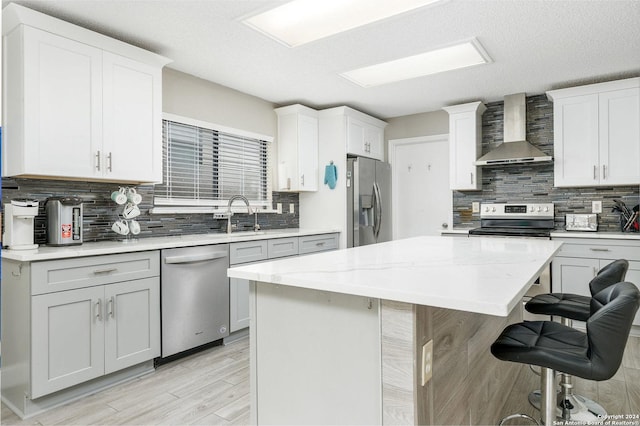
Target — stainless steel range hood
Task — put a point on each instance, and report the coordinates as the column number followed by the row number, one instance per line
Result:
column 515, row 149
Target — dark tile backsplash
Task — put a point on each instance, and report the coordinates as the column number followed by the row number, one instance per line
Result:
column 534, row 183
column 100, row 212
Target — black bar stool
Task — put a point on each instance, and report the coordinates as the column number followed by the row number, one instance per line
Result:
column 594, row 355
column 575, row 307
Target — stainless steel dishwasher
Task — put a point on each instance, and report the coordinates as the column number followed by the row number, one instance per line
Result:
column 194, row 297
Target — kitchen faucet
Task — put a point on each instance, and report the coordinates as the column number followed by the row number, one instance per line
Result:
column 256, row 227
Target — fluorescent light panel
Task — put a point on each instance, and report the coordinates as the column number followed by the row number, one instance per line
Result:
column 302, row 21
column 446, row 59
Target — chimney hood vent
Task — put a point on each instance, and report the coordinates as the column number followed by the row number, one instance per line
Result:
column 515, row 149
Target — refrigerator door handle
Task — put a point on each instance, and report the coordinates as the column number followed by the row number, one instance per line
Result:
column 374, row 196
column 377, row 210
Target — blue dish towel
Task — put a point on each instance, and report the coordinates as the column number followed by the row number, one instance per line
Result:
column 330, row 175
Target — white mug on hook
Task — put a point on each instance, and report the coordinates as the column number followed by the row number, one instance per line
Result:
column 119, row 196
column 133, row 196
column 134, row 227
column 130, row 211
column 120, row 227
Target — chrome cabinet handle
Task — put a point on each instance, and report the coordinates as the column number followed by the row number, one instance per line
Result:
column 98, row 161
column 320, row 244
column 104, row 271
column 471, row 176
column 604, row 171
column 111, row 307
column 595, row 171
column 204, row 257
column 598, row 249
column 110, row 158
column 98, row 308
column 302, row 180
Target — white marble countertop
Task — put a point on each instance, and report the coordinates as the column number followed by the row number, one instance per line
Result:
column 153, row 243
column 482, row 275
column 597, row 235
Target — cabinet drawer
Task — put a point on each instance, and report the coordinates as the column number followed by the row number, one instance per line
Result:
column 57, row 275
column 250, row 251
column 281, row 247
column 316, row 243
column 600, row 251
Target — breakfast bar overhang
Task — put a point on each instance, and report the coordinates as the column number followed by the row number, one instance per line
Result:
column 391, row 333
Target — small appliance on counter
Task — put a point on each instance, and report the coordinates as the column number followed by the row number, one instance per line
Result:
column 64, row 221
column 581, row 222
column 18, row 231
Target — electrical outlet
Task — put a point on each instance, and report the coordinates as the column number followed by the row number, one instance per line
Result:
column 292, row 208
column 475, row 207
column 279, row 208
column 427, row 362
column 596, row 207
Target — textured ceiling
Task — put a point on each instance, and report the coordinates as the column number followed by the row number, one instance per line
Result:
column 535, row 45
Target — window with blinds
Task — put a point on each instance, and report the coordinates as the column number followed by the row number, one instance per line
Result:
column 205, row 167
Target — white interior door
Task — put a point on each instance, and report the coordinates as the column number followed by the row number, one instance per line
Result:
column 422, row 200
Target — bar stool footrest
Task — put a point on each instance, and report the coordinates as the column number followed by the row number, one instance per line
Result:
column 584, row 409
column 518, row 416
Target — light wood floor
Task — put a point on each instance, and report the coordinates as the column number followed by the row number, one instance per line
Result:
column 212, row 388
column 619, row 395
column 207, row 388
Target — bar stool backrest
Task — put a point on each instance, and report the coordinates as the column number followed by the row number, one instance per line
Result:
column 614, row 272
column 612, row 313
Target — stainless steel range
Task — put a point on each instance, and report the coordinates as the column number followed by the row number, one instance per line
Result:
column 515, row 220
column 522, row 221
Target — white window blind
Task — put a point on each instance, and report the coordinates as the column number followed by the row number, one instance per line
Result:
column 205, row 167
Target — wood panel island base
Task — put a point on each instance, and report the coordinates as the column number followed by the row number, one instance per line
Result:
column 342, row 337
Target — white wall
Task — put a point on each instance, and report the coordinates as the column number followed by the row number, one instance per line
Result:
column 192, row 97
column 409, row 126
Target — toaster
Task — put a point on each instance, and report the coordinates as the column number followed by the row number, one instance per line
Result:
column 581, row 222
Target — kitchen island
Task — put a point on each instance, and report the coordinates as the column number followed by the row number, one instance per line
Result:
column 392, row 333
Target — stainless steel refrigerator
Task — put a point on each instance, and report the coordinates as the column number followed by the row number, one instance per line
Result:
column 368, row 201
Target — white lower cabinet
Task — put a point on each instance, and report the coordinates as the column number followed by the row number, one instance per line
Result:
column 250, row 252
column 86, row 333
column 67, row 340
column 579, row 260
column 244, row 253
column 72, row 326
column 131, row 323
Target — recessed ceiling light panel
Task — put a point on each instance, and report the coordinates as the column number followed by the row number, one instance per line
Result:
column 457, row 56
column 302, row 21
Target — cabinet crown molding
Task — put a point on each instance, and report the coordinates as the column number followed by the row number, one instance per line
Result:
column 350, row 112
column 296, row 108
column 477, row 106
column 14, row 15
column 590, row 89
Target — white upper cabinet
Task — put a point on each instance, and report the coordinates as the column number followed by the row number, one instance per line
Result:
column 298, row 168
column 54, row 105
column 79, row 105
column 465, row 145
column 365, row 139
column 597, row 134
column 132, row 125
